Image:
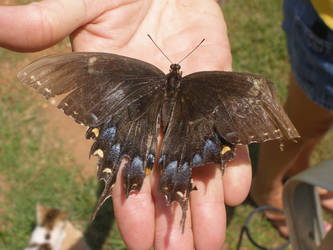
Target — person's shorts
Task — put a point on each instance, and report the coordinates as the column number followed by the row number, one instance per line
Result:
column 310, row 47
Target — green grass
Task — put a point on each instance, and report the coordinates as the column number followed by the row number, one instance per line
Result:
column 259, row 228
column 33, row 169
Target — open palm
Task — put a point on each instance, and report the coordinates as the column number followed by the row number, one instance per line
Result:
column 121, row 27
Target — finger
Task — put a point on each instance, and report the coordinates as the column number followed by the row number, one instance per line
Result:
column 168, row 231
column 38, row 25
column 207, row 206
column 135, row 215
column 42, row 24
column 237, row 177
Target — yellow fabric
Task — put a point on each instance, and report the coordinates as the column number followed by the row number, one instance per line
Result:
column 325, row 10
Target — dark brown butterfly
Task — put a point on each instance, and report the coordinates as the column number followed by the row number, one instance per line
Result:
column 126, row 102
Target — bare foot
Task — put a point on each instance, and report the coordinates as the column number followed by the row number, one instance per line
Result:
column 272, row 195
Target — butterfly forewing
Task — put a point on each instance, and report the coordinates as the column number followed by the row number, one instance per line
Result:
column 99, row 83
column 243, row 107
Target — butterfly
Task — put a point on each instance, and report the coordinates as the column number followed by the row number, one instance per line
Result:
column 126, row 103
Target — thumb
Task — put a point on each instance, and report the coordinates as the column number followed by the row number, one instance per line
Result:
column 39, row 25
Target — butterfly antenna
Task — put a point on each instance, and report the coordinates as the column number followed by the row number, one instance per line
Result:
column 191, row 51
column 159, row 49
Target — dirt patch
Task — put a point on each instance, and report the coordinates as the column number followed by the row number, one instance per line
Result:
column 73, row 138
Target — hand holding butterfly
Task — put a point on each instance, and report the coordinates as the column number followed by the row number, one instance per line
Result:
column 121, row 27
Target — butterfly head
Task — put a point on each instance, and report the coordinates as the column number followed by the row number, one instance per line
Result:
column 175, row 68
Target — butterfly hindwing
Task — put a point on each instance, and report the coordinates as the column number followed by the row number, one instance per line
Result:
column 190, row 141
column 122, row 137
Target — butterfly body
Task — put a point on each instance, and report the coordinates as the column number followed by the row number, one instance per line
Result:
column 171, row 92
column 126, row 103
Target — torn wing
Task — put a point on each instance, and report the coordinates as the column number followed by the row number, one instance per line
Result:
column 244, row 107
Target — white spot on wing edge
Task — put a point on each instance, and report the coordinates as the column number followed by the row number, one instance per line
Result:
column 47, row 90
column 107, row 171
column 180, row 194
column 99, row 153
column 92, row 60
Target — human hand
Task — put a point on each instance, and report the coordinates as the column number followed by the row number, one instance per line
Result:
column 121, row 27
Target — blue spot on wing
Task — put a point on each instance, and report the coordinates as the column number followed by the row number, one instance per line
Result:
column 210, row 152
column 137, row 162
column 109, row 135
column 197, row 160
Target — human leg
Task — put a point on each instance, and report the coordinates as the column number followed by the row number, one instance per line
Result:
column 312, row 122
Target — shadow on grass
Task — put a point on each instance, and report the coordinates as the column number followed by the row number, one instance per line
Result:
column 98, row 231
